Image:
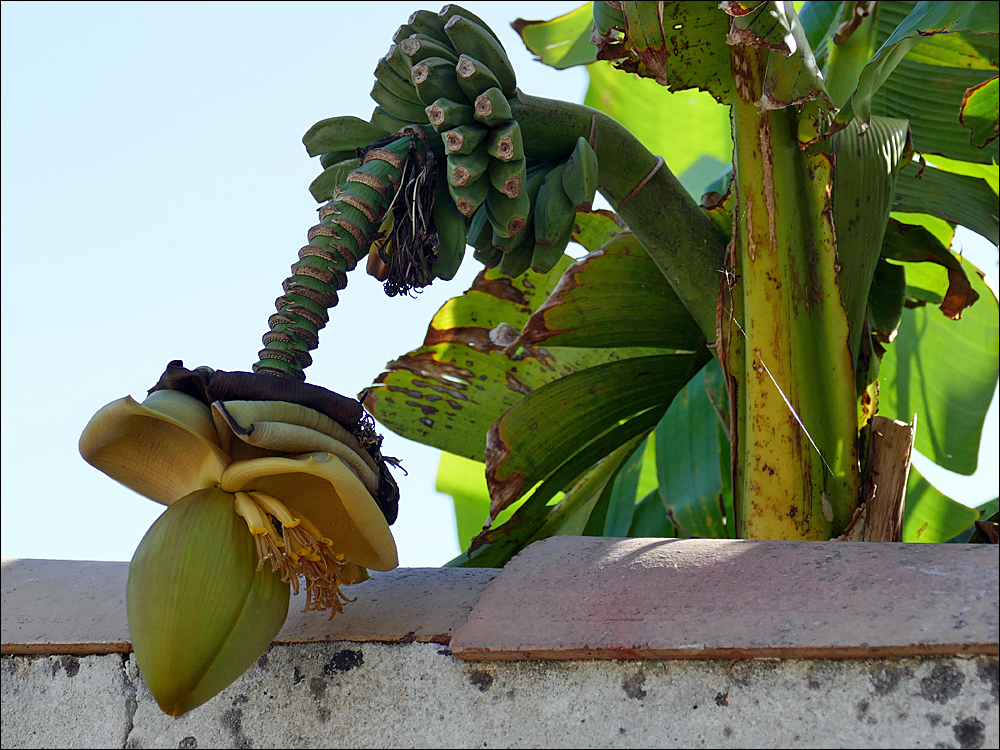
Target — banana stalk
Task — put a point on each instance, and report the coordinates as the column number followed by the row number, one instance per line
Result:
column 796, row 466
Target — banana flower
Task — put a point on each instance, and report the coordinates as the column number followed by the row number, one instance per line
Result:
column 260, row 494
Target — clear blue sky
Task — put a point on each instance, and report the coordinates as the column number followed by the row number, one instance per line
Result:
column 154, row 194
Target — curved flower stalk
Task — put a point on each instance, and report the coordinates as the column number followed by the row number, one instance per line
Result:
column 262, row 496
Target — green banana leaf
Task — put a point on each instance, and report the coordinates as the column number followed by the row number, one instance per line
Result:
column 612, row 515
column 930, row 516
column 496, row 546
column 863, row 189
column 449, row 391
column 819, row 19
column 563, row 42
column 886, row 299
column 617, row 280
column 539, row 437
column 697, row 135
column 915, row 244
column 931, row 97
column 979, row 112
column 945, row 371
column 986, row 511
column 592, row 229
column 955, row 198
column 688, row 464
column 925, row 19
column 465, row 480
column 682, row 45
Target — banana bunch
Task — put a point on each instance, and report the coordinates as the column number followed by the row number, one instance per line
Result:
column 450, row 71
column 449, row 74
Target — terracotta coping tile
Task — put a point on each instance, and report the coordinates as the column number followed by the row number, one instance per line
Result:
column 587, row 597
column 72, row 607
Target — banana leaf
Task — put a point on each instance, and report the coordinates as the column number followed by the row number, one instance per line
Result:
column 955, row 198
column 924, row 20
column 945, row 371
column 697, row 126
column 617, row 280
column 929, row 515
column 562, row 42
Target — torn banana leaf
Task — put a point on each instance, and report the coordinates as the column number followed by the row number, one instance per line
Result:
column 915, row 244
column 448, row 392
column 615, row 282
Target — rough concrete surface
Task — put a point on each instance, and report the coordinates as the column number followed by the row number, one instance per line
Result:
column 347, row 694
column 66, row 701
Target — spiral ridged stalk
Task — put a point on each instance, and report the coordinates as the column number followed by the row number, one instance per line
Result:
column 348, row 224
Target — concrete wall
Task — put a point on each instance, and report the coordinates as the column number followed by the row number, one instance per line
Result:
column 418, row 695
column 389, row 673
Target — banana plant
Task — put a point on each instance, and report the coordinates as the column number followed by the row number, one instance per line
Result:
column 745, row 334
column 796, row 285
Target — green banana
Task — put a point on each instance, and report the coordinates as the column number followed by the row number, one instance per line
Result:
column 464, row 169
column 448, row 11
column 445, row 114
column 464, row 139
column 544, row 257
column 399, row 108
column 489, row 256
column 470, row 38
column 385, row 121
column 341, row 134
column 435, row 78
column 401, row 87
column 480, row 234
column 403, row 32
column 419, row 48
column 335, row 157
column 579, row 177
column 536, row 176
column 518, row 259
column 469, row 197
column 398, row 63
column 428, row 24
column 509, row 216
column 554, row 210
column 474, row 77
column 509, row 177
column 336, row 174
column 450, row 225
column 505, row 142
column 491, row 108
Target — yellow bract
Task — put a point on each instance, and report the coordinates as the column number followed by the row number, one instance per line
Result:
column 172, row 444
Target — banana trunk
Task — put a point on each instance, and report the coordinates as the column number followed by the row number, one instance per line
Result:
column 783, row 330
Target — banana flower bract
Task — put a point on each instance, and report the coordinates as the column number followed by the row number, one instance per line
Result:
column 259, row 495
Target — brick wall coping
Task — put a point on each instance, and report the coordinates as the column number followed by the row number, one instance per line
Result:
column 588, row 597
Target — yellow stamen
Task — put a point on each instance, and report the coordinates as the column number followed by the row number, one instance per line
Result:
column 300, row 550
column 275, row 508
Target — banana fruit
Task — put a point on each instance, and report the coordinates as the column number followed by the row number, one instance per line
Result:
column 450, row 228
column 470, row 38
column 579, row 177
column 341, row 134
